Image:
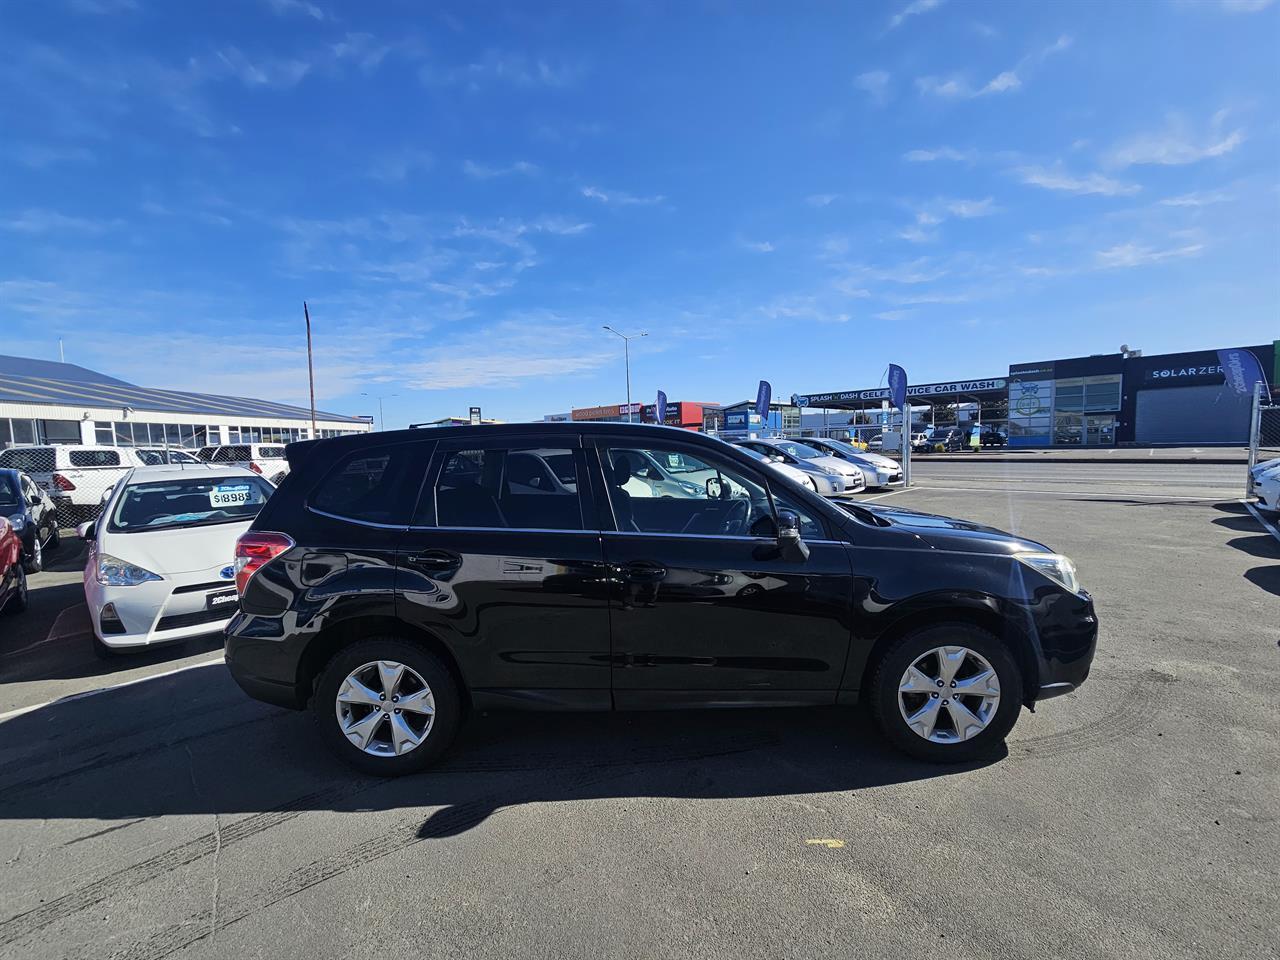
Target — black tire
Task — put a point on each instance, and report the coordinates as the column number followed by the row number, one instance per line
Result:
column 909, row 648
column 444, row 690
column 35, row 562
column 18, row 599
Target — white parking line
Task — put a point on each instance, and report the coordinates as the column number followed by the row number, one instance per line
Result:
column 881, row 496
column 1257, row 514
column 115, row 686
column 1074, row 493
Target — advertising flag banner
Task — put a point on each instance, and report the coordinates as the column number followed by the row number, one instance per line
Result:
column 1242, row 369
column 898, row 386
column 662, row 407
column 763, row 395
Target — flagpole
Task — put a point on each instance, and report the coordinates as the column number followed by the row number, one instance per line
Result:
column 311, row 373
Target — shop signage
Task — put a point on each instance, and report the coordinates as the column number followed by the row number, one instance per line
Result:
column 1203, row 370
column 605, row 412
column 953, row 388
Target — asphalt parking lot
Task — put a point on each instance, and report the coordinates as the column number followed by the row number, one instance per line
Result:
column 1136, row 817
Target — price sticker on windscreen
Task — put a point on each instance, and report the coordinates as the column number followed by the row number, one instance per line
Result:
column 231, row 495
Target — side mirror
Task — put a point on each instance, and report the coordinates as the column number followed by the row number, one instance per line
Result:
column 87, row 530
column 791, row 546
column 715, row 489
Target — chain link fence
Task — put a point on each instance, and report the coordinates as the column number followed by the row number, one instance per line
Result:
column 1264, row 434
column 77, row 479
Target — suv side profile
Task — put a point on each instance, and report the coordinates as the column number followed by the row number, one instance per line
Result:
column 396, row 581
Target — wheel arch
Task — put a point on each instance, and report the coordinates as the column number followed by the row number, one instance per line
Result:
column 984, row 615
column 344, row 633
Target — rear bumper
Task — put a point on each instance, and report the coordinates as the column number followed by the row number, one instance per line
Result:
column 262, row 661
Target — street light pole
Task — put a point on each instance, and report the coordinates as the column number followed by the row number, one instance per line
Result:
column 382, row 421
column 626, row 352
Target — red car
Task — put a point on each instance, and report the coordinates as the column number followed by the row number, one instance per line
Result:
column 13, row 579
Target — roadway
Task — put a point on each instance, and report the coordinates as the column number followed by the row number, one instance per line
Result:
column 1136, row 817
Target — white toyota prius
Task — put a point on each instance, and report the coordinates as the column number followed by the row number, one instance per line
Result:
column 161, row 561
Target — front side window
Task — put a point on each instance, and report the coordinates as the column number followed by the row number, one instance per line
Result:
column 231, row 454
column 8, row 494
column 708, row 496
column 188, row 502
column 271, row 453
column 527, row 487
column 29, row 459
column 374, row 485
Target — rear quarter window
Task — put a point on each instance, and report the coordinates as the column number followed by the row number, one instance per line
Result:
column 231, row 454
column 29, row 460
column 373, row 485
column 271, row 453
column 94, row 458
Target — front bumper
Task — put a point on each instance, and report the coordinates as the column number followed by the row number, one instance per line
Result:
column 159, row 611
column 1066, row 634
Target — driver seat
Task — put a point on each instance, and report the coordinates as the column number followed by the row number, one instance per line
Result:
column 618, row 477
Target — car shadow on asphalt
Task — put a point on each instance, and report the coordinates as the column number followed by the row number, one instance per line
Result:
column 192, row 743
column 52, row 640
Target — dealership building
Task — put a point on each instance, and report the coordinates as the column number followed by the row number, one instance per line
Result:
column 46, row 402
column 1100, row 400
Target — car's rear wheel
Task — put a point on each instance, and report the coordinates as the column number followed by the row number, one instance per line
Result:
column 387, row 706
column 946, row 693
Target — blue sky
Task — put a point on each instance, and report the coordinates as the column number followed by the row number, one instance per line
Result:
column 465, row 193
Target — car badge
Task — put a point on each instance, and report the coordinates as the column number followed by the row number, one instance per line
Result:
column 227, row 573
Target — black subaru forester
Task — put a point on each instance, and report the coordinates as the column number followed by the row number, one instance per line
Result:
column 397, row 580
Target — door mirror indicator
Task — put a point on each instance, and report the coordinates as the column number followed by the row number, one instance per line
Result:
column 791, row 545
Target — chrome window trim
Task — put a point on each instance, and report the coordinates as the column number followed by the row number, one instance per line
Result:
column 363, row 523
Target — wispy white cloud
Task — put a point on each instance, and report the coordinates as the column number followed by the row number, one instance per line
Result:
column 913, row 9
column 1245, row 6
column 875, row 84
column 957, row 87
column 620, row 197
column 498, row 68
column 968, row 209
column 1058, row 179
column 1197, row 199
column 1176, row 145
column 38, row 156
column 918, row 234
column 399, row 166
column 104, row 7
column 1137, row 255
column 941, row 153
column 479, row 171
column 756, row 246
column 821, row 199
column 301, row 7
column 264, row 71
column 39, row 221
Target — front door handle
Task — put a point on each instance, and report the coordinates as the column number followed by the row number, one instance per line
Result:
column 642, row 571
column 435, row 560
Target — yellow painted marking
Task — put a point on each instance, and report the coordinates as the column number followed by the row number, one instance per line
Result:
column 825, row 842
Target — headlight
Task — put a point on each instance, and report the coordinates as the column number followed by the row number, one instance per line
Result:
column 18, row 522
column 1056, row 567
column 114, row 572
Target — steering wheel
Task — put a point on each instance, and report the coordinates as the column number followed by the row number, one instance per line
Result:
column 736, row 517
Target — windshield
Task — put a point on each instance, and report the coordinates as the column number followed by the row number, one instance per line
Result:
column 194, row 502
column 843, row 447
column 800, row 451
column 8, row 492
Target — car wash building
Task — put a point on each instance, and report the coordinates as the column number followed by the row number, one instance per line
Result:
column 1171, row 399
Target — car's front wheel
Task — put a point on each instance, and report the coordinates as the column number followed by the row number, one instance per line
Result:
column 387, row 706
column 17, row 601
column 35, row 562
column 946, row 693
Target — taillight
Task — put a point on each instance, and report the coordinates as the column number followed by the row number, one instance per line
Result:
column 254, row 551
column 254, row 467
column 62, row 483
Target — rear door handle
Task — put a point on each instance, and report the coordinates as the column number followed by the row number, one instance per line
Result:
column 435, row 560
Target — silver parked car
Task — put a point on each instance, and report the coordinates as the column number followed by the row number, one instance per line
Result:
column 879, row 470
column 812, row 461
column 821, row 483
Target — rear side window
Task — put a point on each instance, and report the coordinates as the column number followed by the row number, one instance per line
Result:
column 373, row 485
column 94, row 458
column 29, row 460
column 271, row 453
column 508, row 487
column 232, row 454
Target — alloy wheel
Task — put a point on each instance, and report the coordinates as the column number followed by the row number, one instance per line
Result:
column 385, row 708
column 949, row 694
